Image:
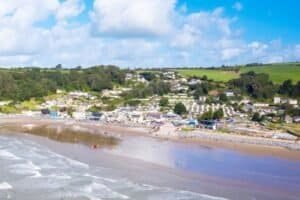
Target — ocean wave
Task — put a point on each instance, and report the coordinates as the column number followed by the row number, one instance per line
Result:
column 27, row 168
column 8, row 155
column 102, row 191
column 5, row 186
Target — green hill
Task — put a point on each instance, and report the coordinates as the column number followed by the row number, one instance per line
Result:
column 277, row 72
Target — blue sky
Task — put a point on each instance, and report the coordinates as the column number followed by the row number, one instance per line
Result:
column 274, row 19
column 146, row 33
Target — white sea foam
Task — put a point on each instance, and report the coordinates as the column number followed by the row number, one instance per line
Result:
column 59, row 176
column 37, row 163
column 8, row 155
column 5, row 186
column 27, row 168
column 102, row 191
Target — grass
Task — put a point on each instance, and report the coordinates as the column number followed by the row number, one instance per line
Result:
column 293, row 129
column 216, row 75
column 277, row 72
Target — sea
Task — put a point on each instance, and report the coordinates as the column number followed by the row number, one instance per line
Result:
column 30, row 170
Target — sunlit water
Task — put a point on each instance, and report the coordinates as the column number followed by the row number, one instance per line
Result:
column 260, row 170
column 29, row 171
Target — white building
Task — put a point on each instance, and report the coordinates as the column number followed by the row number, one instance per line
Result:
column 229, row 94
column 277, row 100
column 293, row 102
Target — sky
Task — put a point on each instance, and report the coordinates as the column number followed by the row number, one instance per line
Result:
column 148, row 33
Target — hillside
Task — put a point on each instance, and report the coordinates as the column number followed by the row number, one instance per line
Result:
column 277, row 72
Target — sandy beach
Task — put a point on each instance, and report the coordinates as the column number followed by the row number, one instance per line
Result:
column 113, row 132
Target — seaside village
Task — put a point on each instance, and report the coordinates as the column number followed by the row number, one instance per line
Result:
column 237, row 112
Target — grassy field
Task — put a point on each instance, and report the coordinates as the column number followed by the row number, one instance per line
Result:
column 217, row 75
column 277, row 72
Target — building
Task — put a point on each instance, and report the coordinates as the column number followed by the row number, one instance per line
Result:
column 296, row 119
column 229, row 94
column 261, row 105
column 194, row 82
column 169, row 75
column 293, row 102
column 277, row 100
column 202, row 99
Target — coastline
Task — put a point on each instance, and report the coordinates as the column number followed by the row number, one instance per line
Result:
column 232, row 181
column 245, row 144
column 157, row 176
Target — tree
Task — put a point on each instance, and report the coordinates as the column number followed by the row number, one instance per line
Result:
column 58, row 66
column 255, row 85
column 286, row 88
column 219, row 114
column 164, row 102
column 223, row 97
column 206, row 116
column 256, row 117
column 210, row 115
column 180, row 109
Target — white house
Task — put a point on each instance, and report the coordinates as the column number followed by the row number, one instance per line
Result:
column 293, row 102
column 277, row 100
column 229, row 94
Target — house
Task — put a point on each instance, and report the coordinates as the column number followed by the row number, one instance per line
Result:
column 288, row 119
column 194, row 82
column 261, row 105
column 128, row 76
column 169, row 75
column 296, row 119
column 293, row 102
column 277, row 100
column 229, row 94
column 202, row 99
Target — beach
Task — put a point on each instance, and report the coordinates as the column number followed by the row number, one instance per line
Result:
column 254, row 145
column 140, row 166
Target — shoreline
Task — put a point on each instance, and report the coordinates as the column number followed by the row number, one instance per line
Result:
column 162, row 176
column 244, row 144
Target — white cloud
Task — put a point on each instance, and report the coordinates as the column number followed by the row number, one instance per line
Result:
column 133, row 17
column 127, row 33
column 70, row 8
column 238, row 6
